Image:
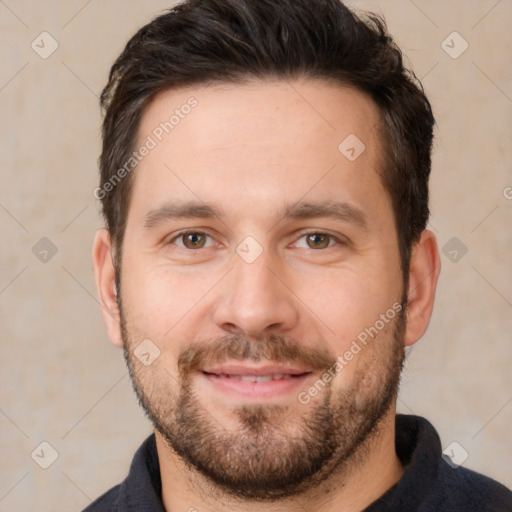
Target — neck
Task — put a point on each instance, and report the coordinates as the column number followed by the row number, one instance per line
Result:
column 374, row 469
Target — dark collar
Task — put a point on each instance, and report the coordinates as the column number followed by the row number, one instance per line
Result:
column 418, row 447
column 142, row 489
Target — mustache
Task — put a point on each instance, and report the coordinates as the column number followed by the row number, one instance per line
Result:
column 279, row 349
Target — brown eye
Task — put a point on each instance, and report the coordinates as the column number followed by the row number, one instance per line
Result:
column 318, row 240
column 193, row 240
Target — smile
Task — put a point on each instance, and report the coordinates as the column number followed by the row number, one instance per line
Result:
column 259, row 382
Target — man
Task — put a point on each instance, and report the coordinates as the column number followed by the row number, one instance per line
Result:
column 264, row 181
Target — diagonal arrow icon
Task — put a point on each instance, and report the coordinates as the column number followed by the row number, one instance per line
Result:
column 44, row 250
column 351, row 147
column 146, row 352
column 454, row 45
column 454, row 249
column 44, row 455
column 249, row 249
column 44, row 45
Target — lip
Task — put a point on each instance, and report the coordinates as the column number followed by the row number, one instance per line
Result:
column 227, row 379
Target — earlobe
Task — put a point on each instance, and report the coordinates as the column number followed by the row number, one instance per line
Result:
column 104, row 274
column 425, row 267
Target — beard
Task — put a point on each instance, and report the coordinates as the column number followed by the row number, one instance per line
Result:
column 276, row 451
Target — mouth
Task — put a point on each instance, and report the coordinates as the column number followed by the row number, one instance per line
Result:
column 255, row 378
column 264, row 381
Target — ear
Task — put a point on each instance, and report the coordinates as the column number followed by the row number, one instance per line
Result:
column 423, row 275
column 104, row 275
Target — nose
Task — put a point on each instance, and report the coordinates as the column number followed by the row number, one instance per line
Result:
column 255, row 300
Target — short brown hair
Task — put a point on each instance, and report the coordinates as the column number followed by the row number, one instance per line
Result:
column 206, row 41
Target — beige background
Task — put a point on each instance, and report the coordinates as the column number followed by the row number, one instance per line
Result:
column 62, row 381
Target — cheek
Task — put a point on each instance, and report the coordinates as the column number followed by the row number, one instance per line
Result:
column 365, row 365
column 357, row 312
column 158, row 296
column 166, row 306
column 347, row 302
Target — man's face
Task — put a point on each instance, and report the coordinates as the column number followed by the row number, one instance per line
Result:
column 257, row 250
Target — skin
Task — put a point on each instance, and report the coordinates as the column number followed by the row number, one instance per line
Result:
column 250, row 151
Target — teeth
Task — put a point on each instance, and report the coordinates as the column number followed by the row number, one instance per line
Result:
column 258, row 378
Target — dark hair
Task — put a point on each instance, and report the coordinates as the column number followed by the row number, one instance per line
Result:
column 235, row 41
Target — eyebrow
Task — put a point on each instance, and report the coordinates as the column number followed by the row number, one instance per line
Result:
column 338, row 210
column 179, row 210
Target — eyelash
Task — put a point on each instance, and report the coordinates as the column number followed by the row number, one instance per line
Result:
column 301, row 235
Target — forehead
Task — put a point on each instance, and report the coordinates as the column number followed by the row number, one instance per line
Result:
column 306, row 108
column 263, row 139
